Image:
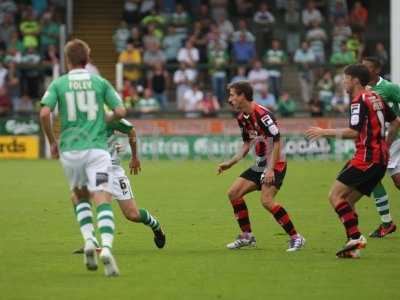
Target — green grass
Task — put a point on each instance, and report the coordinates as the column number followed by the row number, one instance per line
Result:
column 39, row 232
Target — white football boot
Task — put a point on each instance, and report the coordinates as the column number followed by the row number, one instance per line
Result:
column 296, row 243
column 110, row 265
column 245, row 239
column 90, row 255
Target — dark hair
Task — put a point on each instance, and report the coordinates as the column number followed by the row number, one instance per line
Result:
column 374, row 60
column 77, row 52
column 358, row 71
column 242, row 87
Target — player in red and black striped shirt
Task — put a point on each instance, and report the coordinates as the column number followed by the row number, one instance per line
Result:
column 259, row 128
column 368, row 114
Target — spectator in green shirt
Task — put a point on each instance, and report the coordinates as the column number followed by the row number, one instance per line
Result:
column 286, row 105
column 30, row 30
column 355, row 45
column 180, row 19
column 49, row 32
column 343, row 57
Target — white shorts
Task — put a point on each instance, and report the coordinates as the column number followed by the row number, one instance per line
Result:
column 88, row 168
column 120, row 185
column 394, row 158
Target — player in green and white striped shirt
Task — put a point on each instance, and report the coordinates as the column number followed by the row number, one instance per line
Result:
column 120, row 185
column 390, row 93
column 81, row 97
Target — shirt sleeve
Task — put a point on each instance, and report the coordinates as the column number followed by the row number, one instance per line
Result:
column 358, row 111
column 123, row 126
column 270, row 127
column 49, row 98
column 112, row 98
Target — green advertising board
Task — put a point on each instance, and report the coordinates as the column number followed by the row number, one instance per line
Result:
column 19, row 126
column 221, row 147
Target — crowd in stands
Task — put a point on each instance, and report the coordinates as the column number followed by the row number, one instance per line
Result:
column 29, row 37
column 180, row 55
column 183, row 56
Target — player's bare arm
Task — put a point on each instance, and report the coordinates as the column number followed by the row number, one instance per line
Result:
column 314, row 133
column 134, row 164
column 235, row 159
column 45, row 115
column 269, row 174
column 117, row 114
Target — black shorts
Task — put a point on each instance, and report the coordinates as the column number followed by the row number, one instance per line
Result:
column 252, row 175
column 362, row 181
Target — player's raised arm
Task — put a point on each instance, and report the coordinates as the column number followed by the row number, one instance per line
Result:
column 235, row 159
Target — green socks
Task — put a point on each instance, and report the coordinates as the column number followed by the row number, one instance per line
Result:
column 147, row 219
column 382, row 203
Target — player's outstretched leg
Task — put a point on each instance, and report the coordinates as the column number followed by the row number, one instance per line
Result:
column 106, row 226
column 382, row 205
column 296, row 241
column 147, row 219
column 235, row 194
column 132, row 213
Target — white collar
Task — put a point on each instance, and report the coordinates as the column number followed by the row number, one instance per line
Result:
column 80, row 70
column 379, row 81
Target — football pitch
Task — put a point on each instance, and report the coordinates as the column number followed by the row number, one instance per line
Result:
column 39, row 233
